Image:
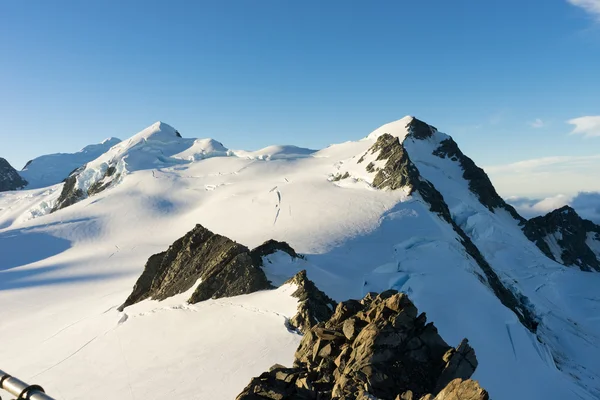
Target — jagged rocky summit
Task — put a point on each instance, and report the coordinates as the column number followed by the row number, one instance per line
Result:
column 9, row 177
column 399, row 172
column 565, row 237
column 376, row 348
column 215, row 264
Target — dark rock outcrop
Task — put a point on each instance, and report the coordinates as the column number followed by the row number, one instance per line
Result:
column 71, row 195
column 218, row 266
column 419, row 129
column 565, row 228
column 270, row 247
column 400, row 172
column 314, row 306
column 103, row 183
column 379, row 347
column 479, row 182
column 9, row 177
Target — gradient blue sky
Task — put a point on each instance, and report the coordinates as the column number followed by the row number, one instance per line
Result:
column 502, row 77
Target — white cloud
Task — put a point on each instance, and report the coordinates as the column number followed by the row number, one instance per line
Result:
column 587, row 126
column 544, row 177
column 590, row 6
column 587, row 205
column 537, row 124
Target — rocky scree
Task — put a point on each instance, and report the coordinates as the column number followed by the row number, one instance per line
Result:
column 571, row 233
column 400, row 172
column 218, row 266
column 376, row 348
column 9, row 177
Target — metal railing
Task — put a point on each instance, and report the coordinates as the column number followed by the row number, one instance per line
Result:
column 20, row 389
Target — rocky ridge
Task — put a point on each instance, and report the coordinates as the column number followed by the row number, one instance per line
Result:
column 571, row 233
column 400, row 172
column 9, row 177
column 376, row 348
column 216, row 265
column 314, row 306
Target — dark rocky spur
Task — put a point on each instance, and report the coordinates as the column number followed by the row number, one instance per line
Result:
column 571, row 233
column 216, row 265
column 376, row 348
column 9, row 177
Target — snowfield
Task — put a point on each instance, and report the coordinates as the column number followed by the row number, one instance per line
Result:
column 64, row 274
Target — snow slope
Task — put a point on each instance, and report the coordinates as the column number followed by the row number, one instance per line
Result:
column 67, row 272
column 51, row 169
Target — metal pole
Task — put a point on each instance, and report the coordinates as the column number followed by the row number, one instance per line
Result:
column 17, row 387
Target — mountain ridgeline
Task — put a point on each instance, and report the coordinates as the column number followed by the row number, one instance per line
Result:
column 400, row 213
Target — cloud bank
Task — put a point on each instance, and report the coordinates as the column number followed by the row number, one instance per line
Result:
column 544, row 177
column 587, row 205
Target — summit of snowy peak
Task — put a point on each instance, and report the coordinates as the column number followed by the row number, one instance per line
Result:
column 157, row 131
column 407, row 126
column 203, row 148
column 566, row 238
column 398, row 128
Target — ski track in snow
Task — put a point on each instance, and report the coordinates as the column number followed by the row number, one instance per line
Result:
column 65, row 359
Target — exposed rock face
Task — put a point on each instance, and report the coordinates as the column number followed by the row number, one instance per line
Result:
column 314, row 305
column 400, row 172
column 70, row 194
column 270, row 247
column 419, row 129
column 570, row 235
column 376, row 348
column 479, row 182
column 219, row 266
column 9, row 177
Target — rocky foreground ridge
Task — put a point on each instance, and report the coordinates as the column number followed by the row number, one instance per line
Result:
column 376, row 348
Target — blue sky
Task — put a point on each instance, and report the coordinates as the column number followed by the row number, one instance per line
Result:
column 503, row 78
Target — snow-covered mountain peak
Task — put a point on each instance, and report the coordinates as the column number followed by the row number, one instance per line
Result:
column 566, row 238
column 110, row 141
column 50, row 169
column 203, row 148
column 397, row 128
column 158, row 131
